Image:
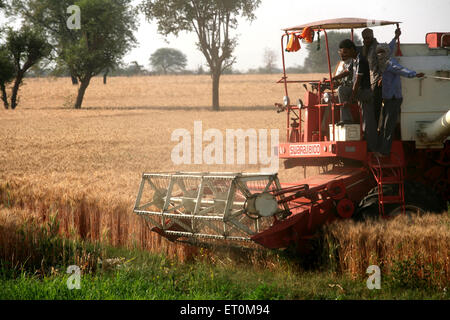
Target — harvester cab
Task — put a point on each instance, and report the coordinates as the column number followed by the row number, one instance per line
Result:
column 318, row 138
column 424, row 121
column 247, row 208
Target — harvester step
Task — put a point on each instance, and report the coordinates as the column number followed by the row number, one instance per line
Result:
column 390, row 180
column 391, row 199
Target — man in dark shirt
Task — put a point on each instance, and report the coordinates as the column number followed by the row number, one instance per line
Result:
column 368, row 50
column 362, row 91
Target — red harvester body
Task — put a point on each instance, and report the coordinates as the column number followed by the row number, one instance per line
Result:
column 414, row 178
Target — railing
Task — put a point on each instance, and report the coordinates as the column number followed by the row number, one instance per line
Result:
column 331, row 104
column 290, row 108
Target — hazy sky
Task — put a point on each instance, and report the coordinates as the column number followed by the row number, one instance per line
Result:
column 417, row 17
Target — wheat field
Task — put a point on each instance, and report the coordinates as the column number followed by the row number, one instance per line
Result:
column 89, row 162
column 85, row 165
column 125, row 128
column 159, row 92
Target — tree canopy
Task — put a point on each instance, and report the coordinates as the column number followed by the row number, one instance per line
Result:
column 316, row 61
column 25, row 48
column 105, row 36
column 212, row 21
column 7, row 72
column 270, row 57
column 168, row 60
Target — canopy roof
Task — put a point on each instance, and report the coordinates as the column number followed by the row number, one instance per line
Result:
column 342, row 23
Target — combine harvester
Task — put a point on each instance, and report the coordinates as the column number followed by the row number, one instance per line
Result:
column 243, row 208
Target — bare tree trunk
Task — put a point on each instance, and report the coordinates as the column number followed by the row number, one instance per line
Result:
column 215, row 89
column 81, row 91
column 15, row 89
column 74, row 80
column 105, row 75
column 4, row 96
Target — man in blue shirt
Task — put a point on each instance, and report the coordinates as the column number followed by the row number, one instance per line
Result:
column 391, row 71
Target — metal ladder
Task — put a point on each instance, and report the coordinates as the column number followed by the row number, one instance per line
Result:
column 388, row 171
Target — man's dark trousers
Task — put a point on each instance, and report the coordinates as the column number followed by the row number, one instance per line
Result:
column 377, row 100
column 391, row 113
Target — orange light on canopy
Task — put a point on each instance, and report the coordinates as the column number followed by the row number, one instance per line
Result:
column 294, row 44
column 307, row 34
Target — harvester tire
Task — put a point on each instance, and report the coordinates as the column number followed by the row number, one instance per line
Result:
column 418, row 199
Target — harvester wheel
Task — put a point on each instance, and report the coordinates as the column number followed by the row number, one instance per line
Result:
column 418, row 200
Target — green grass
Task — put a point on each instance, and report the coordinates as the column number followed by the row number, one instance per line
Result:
column 143, row 275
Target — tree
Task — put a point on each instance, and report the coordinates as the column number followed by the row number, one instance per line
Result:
column 106, row 34
column 40, row 69
column 130, row 69
column 269, row 59
column 200, row 70
column 316, row 61
column 136, row 69
column 26, row 46
column 49, row 15
column 104, row 39
column 212, row 21
column 168, row 60
column 7, row 73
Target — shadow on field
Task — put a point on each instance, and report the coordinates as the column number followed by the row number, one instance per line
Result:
column 254, row 256
column 175, row 108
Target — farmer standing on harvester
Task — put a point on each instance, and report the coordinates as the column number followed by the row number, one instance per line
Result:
column 368, row 51
column 359, row 91
column 391, row 71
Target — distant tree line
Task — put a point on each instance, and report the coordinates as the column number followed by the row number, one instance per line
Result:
column 45, row 69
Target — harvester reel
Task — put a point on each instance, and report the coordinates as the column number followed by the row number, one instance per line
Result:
column 209, row 206
column 158, row 198
column 188, row 200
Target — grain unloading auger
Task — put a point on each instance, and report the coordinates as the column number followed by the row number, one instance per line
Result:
column 243, row 208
